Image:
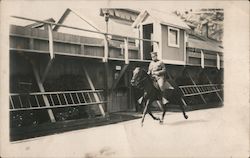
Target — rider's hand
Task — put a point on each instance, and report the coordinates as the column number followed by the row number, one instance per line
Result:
column 156, row 73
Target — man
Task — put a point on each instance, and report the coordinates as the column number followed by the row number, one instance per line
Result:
column 157, row 70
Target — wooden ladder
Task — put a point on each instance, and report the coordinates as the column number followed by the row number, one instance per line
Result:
column 35, row 101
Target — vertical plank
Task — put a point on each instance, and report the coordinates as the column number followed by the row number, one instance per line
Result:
column 31, row 44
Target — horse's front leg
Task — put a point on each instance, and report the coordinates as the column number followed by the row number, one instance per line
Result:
column 145, row 111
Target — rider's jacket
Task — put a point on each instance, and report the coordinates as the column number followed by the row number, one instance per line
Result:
column 157, row 66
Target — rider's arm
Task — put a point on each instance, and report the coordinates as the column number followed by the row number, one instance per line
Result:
column 163, row 69
column 150, row 69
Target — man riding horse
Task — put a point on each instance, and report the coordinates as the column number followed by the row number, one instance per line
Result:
column 157, row 71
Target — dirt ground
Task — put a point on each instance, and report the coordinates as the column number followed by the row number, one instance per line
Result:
column 207, row 133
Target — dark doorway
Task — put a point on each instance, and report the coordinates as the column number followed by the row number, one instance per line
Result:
column 147, row 46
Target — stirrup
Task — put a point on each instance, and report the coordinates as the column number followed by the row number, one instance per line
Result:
column 164, row 100
column 140, row 100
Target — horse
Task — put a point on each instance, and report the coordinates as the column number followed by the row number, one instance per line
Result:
column 145, row 82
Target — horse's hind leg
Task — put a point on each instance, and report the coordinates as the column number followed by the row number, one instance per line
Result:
column 163, row 109
column 183, row 109
column 155, row 118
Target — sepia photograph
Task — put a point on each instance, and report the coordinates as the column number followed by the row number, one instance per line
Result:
column 100, row 79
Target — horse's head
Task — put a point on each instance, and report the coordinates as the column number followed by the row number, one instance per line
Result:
column 138, row 76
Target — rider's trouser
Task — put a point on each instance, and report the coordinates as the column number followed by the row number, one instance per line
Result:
column 160, row 82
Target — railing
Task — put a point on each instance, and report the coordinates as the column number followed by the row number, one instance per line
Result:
column 105, row 55
column 36, row 101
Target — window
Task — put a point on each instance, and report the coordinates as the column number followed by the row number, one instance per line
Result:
column 173, row 37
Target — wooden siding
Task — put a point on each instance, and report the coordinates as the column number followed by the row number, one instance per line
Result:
column 172, row 53
column 210, row 58
column 37, row 40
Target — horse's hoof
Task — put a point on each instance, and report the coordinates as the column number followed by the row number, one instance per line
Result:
column 161, row 122
column 141, row 124
column 186, row 116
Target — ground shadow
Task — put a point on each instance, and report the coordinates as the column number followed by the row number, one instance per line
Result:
column 183, row 122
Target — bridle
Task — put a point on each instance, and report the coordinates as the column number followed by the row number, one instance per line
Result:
column 140, row 81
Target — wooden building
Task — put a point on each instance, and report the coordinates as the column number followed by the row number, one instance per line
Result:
column 53, row 72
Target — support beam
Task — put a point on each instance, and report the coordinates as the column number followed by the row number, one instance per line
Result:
column 46, row 71
column 120, row 76
column 202, row 97
column 41, row 88
column 217, row 93
column 93, row 88
column 62, row 19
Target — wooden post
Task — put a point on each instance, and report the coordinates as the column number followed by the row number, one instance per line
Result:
column 106, row 49
column 51, row 48
column 218, row 61
column 185, row 48
column 93, row 88
column 141, row 41
column 45, row 99
column 202, row 60
column 126, row 50
column 51, row 52
column 197, row 88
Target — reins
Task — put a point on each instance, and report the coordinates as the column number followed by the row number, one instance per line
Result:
column 140, row 81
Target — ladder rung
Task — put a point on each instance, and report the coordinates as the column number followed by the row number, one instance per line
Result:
column 193, row 89
column 71, row 98
column 11, row 103
column 28, row 98
column 20, row 101
column 84, row 99
column 52, row 101
column 37, row 101
column 90, row 99
column 57, row 95
column 78, row 98
column 65, row 98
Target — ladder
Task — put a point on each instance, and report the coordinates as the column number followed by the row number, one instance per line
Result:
column 193, row 90
column 35, row 101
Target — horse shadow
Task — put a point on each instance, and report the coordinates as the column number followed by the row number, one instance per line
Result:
column 184, row 122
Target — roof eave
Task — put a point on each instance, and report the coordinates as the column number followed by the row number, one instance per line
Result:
column 180, row 27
